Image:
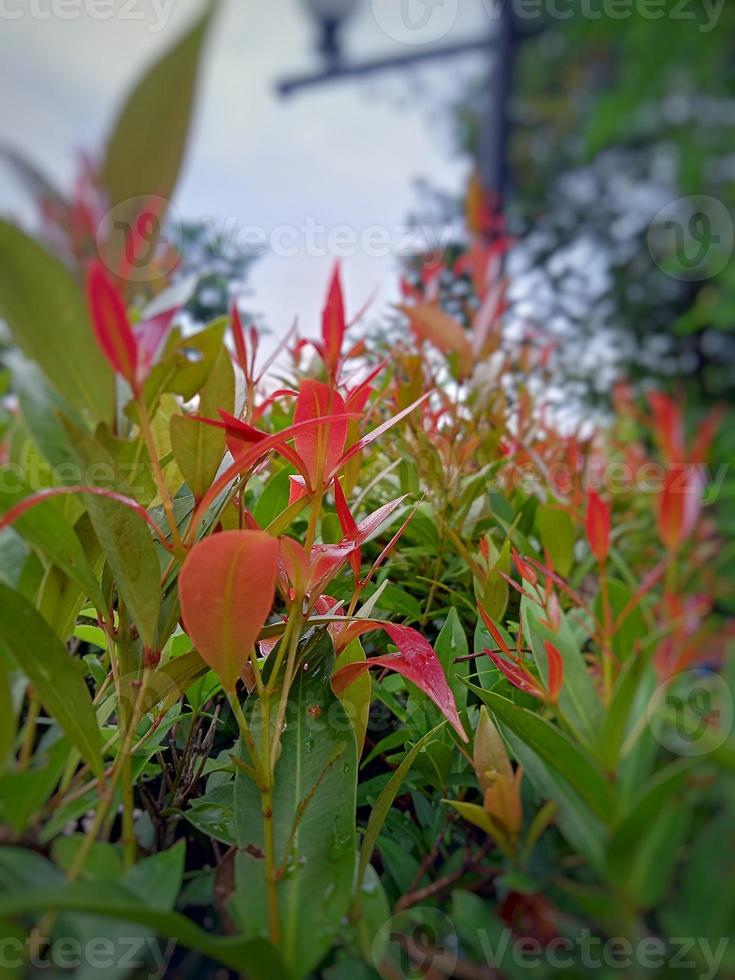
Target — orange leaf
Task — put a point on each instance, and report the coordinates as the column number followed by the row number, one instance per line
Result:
column 431, row 323
column 226, row 590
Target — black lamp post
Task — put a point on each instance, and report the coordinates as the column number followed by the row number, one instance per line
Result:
column 330, row 15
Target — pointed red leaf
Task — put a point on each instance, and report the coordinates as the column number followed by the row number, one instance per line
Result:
column 518, row 676
column 494, row 632
column 376, row 433
column 150, row 335
column 668, row 423
column 333, row 320
column 112, row 329
column 238, row 335
column 556, row 671
column 680, row 504
column 226, row 589
column 320, row 447
column 597, row 525
column 415, row 660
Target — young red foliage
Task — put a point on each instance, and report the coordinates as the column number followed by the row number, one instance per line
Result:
column 415, row 660
column 556, row 671
column 112, row 329
column 680, row 504
column 320, row 448
column 333, row 322
column 226, row 589
column 597, row 525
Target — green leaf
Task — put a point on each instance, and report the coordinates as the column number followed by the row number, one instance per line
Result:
column 115, row 901
column 584, row 832
column 45, row 527
column 385, row 801
column 172, row 680
column 355, row 698
column 617, row 718
column 157, row 879
column 7, row 714
column 450, row 644
column 273, row 499
column 556, row 750
column 124, row 538
column 198, row 447
column 556, row 530
column 314, row 821
column 146, row 147
column 47, row 315
column 578, row 698
column 632, row 632
column 55, row 676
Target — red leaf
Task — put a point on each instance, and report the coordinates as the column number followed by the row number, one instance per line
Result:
column 320, row 448
column 680, row 504
column 668, row 423
column 598, row 525
column 494, row 632
column 526, row 572
column 349, row 528
column 376, row 433
column 150, row 335
column 333, row 320
column 556, row 671
column 112, row 329
column 416, row 661
column 238, row 335
column 226, row 589
column 251, row 457
column 518, row 676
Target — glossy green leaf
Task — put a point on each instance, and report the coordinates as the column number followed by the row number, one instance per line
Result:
column 451, row 643
column 355, row 698
column 316, row 776
column 384, row 802
column 55, row 676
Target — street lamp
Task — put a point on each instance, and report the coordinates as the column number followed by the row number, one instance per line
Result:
column 330, row 15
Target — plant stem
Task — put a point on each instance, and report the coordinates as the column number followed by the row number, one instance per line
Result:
column 264, row 780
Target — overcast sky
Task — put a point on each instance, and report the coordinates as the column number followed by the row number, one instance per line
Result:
column 342, row 154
